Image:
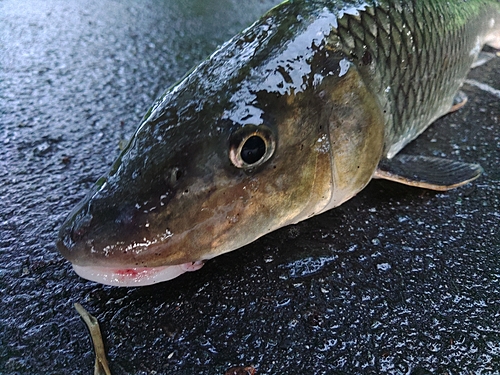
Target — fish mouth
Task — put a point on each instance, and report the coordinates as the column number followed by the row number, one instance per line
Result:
column 134, row 276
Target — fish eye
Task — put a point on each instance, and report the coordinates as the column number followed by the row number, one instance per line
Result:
column 251, row 146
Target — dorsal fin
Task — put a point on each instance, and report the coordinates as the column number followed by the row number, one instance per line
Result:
column 427, row 172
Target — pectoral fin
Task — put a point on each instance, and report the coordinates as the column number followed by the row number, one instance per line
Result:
column 427, row 172
column 483, row 58
column 458, row 101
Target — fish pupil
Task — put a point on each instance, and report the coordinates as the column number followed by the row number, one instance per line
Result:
column 253, row 149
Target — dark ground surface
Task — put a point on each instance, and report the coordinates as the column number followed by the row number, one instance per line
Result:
column 396, row 281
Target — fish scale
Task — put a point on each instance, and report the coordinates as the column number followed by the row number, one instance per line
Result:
column 413, row 40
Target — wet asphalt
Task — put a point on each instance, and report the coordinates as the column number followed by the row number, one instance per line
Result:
column 398, row 280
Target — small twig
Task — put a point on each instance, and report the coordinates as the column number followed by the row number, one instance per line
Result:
column 101, row 363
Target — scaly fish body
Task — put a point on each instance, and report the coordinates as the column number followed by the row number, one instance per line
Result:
column 290, row 118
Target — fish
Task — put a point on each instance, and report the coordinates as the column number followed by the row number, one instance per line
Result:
column 288, row 119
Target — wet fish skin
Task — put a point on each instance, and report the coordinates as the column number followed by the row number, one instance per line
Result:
column 413, row 55
column 331, row 89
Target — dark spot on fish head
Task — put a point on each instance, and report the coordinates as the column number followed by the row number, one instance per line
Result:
column 175, row 174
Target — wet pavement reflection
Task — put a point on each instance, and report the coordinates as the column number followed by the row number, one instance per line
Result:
column 398, row 280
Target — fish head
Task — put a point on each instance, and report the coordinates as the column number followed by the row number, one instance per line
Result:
column 194, row 183
column 250, row 141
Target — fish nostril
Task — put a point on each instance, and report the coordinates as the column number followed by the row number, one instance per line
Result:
column 175, row 175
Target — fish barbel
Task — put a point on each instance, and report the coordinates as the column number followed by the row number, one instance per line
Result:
column 288, row 119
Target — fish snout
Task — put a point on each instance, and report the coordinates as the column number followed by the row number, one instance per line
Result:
column 108, row 228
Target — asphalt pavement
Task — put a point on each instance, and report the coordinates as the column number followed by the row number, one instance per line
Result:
column 398, row 280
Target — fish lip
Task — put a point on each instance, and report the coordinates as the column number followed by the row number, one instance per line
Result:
column 134, row 276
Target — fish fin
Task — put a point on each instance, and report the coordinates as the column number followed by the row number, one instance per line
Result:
column 427, row 172
column 483, row 58
column 458, row 101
